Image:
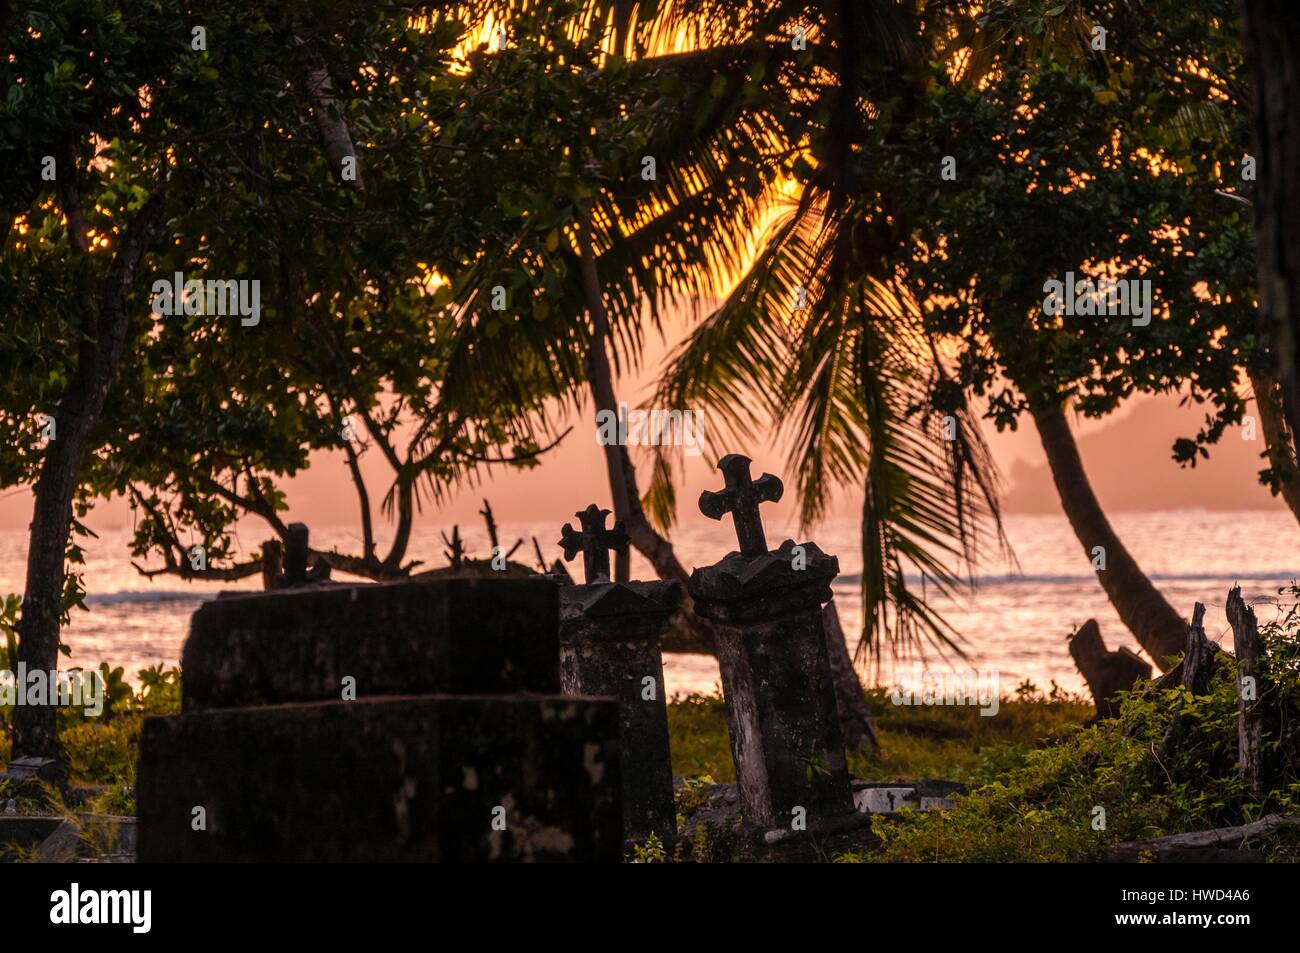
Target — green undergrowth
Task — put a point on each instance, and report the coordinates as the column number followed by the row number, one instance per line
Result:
column 101, row 757
column 954, row 743
column 1040, row 779
column 1129, row 778
column 102, row 750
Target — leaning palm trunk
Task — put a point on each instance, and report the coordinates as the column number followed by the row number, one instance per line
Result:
column 1277, row 439
column 1271, row 41
column 1152, row 620
column 622, row 476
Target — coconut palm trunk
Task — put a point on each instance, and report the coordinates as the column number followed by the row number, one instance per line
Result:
column 1271, row 39
column 1155, row 624
column 1279, row 444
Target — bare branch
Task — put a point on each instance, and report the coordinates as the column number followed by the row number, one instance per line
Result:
column 183, row 571
column 335, row 138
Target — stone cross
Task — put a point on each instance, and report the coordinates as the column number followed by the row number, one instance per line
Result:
column 594, row 541
column 741, row 498
column 770, row 638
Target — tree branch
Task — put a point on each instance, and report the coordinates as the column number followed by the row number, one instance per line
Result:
column 70, row 198
column 331, row 128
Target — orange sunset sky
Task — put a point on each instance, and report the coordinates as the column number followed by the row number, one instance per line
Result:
column 1134, row 441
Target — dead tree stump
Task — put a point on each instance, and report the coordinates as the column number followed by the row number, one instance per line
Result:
column 1250, row 728
column 1107, row 673
column 1200, row 658
column 1193, row 673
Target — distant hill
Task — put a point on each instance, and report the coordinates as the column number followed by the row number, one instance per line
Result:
column 1131, row 466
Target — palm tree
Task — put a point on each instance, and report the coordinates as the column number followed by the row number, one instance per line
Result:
column 1271, row 32
column 818, row 333
column 762, row 91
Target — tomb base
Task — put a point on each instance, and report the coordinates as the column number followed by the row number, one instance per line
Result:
column 420, row 778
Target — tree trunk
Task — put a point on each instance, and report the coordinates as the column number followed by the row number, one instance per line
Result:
column 856, row 724
column 1250, row 723
column 1277, row 439
column 1271, row 38
column 1224, row 837
column 601, row 378
column 75, row 420
column 1107, row 673
column 1152, row 620
column 622, row 475
column 331, row 128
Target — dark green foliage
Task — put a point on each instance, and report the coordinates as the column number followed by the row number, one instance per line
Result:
column 1045, row 809
column 1071, row 159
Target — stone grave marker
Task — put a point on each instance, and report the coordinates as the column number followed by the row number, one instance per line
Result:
column 464, row 636
column 776, row 679
column 609, row 646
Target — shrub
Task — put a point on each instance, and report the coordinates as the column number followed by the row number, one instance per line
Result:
column 1045, row 810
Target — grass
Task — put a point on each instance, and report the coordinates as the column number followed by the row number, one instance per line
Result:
column 102, row 755
column 1037, row 773
column 953, row 743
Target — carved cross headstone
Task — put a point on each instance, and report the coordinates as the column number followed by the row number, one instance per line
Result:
column 594, row 541
column 297, row 551
column 766, row 610
column 609, row 646
column 741, row 498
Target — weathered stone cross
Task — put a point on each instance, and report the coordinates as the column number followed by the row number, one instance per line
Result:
column 741, row 499
column 594, row 542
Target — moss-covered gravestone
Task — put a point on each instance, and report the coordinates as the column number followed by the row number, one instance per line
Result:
column 609, row 645
column 766, row 607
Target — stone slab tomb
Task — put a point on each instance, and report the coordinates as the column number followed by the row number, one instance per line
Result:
column 416, row 778
column 460, row 636
column 609, row 645
column 457, row 745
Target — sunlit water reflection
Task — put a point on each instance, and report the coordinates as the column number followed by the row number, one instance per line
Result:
column 1014, row 623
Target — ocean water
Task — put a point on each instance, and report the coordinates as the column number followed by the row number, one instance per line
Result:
column 1014, row 621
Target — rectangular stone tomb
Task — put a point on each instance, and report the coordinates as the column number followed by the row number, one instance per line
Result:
column 450, row 636
column 922, row 795
column 446, row 778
